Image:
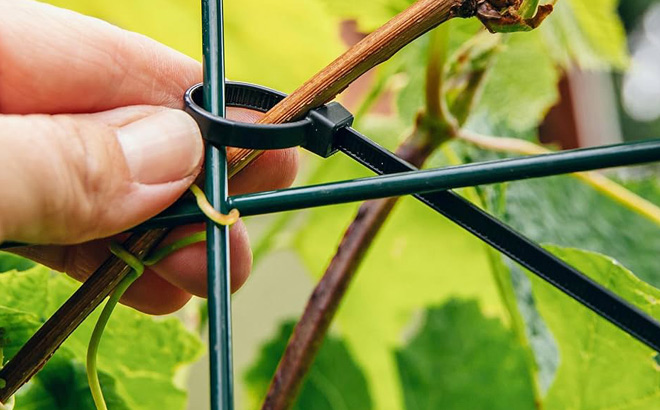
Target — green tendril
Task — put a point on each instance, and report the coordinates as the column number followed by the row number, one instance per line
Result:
column 137, row 268
column 212, row 213
column 166, row 251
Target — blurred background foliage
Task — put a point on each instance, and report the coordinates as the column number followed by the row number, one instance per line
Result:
column 262, row 44
column 433, row 319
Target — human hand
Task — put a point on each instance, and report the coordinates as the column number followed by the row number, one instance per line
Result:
column 91, row 144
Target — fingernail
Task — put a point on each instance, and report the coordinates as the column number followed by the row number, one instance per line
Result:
column 163, row 147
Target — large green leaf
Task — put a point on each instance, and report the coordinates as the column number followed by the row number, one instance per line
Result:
column 279, row 44
column 16, row 327
column 517, row 91
column 275, row 44
column 601, row 366
column 335, row 381
column 460, row 359
column 412, row 61
column 10, row 262
column 521, row 86
column 587, row 32
column 567, row 212
column 418, row 259
column 62, row 385
column 646, row 185
column 138, row 353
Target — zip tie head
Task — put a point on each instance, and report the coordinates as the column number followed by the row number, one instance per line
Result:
column 211, row 212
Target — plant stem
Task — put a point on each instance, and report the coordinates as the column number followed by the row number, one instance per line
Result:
column 324, row 301
column 437, row 55
column 374, row 49
column 92, row 373
column 322, row 306
column 597, row 181
column 137, row 268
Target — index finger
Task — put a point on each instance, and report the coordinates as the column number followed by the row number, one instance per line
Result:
column 57, row 61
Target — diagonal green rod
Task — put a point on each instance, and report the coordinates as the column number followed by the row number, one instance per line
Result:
column 219, row 288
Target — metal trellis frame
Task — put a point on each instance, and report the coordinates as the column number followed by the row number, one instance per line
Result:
column 326, row 130
column 430, row 186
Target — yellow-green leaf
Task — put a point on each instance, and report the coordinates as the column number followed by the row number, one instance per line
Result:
column 138, row 353
column 459, row 359
column 277, row 44
column 601, row 367
column 587, row 32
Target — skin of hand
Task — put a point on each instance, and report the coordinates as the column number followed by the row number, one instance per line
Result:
column 93, row 141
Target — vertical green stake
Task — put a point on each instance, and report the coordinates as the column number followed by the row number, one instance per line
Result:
column 219, row 289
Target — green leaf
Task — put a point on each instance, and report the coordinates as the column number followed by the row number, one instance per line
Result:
column 412, row 69
column 648, row 187
column 601, row 366
column 412, row 61
column 460, row 359
column 62, row 384
column 521, row 86
column 9, row 262
column 418, row 259
column 539, row 338
column 138, row 353
column 334, row 382
column 279, row 45
column 528, row 8
column 567, row 212
column 15, row 328
column 294, row 40
column 518, row 89
column 587, row 32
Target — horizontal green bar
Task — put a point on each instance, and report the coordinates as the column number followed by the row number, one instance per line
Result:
column 419, row 182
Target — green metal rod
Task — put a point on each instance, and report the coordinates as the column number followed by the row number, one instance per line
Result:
column 219, row 288
column 634, row 153
column 417, row 182
column 420, row 182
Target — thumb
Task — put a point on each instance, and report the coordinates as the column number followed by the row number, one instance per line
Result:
column 72, row 178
